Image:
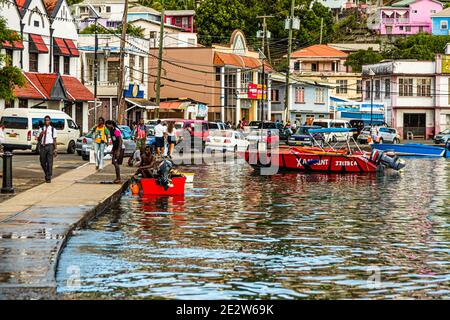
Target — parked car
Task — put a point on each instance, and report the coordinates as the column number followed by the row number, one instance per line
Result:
column 283, row 132
column 226, row 140
column 387, row 135
column 442, row 137
column 265, row 135
column 86, row 143
column 334, row 123
column 21, row 127
column 302, row 137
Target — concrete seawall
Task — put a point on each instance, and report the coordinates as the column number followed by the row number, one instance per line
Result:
column 35, row 225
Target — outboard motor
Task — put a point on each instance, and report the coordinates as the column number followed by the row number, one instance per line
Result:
column 163, row 173
column 389, row 160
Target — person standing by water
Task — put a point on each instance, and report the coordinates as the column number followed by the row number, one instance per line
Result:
column 117, row 150
column 140, row 136
column 171, row 138
column 160, row 132
column 100, row 135
column 47, row 147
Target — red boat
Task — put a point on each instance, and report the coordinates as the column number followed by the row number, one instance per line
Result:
column 150, row 186
column 318, row 159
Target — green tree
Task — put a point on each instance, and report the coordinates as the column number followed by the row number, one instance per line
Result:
column 131, row 30
column 169, row 4
column 9, row 76
column 361, row 57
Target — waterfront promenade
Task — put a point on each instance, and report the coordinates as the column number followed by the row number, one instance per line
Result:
column 35, row 224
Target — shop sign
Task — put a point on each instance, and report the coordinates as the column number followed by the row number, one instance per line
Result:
column 133, row 91
column 254, row 91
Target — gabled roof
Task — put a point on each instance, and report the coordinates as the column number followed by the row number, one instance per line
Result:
column 52, row 86
column 52, row 6
column 443, row 13
column 143, row 9
column 179, row 12
column 407, row 3
column 317, row 51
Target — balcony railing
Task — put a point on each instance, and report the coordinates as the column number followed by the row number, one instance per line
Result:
column 102, row 83
column 395, row 20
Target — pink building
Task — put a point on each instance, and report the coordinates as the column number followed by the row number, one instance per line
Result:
column 406, row 17
column 180, row 18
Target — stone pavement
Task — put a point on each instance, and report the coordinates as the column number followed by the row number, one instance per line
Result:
column 35, row 224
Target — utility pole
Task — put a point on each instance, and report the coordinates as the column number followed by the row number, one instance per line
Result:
column 120, row 98
column 263, row 57
column 95, row 69
column 290, row 21
column 160, row 53
column 321, row 30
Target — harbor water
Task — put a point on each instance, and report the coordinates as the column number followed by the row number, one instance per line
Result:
column 239, row 235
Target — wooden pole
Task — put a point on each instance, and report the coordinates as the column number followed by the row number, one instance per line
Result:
column 120, row 98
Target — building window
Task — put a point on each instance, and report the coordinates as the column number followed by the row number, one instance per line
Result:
column 218, row 71
column 185, row 22
column 131, row 67
column 408, row 28
column 108, row 9
column 275, row 95
column 9, row 104
column 342, row 86
column 66, row 65
column 297, row 65
column 36, row 23
column 90, row 70
column 421, row 29
column 33, row 61
column 314, row 67
column 405, row 87
column 56, row 64
column 141, row 69
column 113, row 71
column 246, row 78
column 368, row 89
column 319, row 95
column 387, row 88
column 299, row 95
column 358, row 86
column 377, row 89
column 424, row 87
column 23, row 103
column 177, row 21
column 444, row 25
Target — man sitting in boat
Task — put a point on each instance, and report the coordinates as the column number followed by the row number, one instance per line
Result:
column 148, row 165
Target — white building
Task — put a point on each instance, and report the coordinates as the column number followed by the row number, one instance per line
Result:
column 415, row 94
column 135, row 90
column 48, row 56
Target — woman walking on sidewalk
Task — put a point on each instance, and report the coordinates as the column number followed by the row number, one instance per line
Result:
column 100, row 134
column 171, row 138
column 117, row 150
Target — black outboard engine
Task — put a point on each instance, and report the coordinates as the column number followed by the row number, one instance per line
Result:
column 387, row 159
column 163, row 173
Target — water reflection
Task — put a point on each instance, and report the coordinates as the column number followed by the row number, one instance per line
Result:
column 240, row 235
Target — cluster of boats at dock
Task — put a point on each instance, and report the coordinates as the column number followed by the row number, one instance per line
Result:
column 341, row 158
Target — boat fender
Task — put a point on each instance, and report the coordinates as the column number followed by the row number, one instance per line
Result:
column 134, row 187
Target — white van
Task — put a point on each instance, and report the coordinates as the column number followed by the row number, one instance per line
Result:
column 333, row 123
column 21, row 126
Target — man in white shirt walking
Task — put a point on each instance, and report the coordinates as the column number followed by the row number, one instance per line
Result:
column 47, row 148
column 160, row 131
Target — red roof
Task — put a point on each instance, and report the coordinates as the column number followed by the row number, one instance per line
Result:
column 40, row 85
column 39, row 43
column 317, row 51
column 231, row 59
column 72, row 47
column 76, row 90
column 170, row 104
column 62, row 46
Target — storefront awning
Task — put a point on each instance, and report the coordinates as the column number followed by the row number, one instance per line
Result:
column 60, row 47
column 72, row 47
column 37, row 43
column 16, row 45
column 141, row 103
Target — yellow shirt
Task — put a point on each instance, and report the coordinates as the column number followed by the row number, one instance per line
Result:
column 100, row 134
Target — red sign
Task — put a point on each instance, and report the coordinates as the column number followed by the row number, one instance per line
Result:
column 254, row 91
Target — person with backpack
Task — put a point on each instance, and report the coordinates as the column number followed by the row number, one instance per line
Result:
column 117, row 147
column 47, row 148
column 100, row 135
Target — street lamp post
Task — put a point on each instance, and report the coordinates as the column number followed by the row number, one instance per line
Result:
column 371, row 74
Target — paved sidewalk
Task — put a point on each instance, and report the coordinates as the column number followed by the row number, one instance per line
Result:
column 34, row 226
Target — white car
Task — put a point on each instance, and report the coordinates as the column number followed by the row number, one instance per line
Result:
column 334, row 123
column 226, row 140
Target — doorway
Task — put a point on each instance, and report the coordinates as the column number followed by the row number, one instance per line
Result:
column 415, row 123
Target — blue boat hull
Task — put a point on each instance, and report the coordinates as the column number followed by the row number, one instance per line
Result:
column 414, row 149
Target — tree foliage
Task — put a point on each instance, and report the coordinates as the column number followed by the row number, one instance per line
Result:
column 9, row 76
column 169, row 4
column 361, row 57
column 131, row 30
